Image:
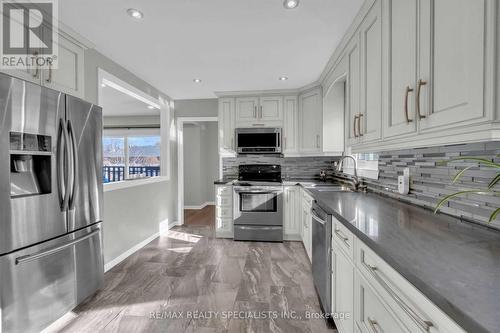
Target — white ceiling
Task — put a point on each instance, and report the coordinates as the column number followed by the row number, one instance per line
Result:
column 229, row 44
column 118, row 104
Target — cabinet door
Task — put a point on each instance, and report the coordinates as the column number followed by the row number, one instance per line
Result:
column 247, row 110
column 31, row 73
column 311, row 121
column 401, row 67
column 370, row 314
column 371, row 75
column 226, row 124
column 352, row 91
column 290, row 126
column 453, row 48
column 68, row 77
column 343, row 290
column 271, row 109
column 291, row 223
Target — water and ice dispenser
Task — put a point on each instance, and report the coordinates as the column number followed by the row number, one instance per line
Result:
column 30, row 164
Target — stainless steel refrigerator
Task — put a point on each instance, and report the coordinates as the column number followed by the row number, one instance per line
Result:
column 50, row 204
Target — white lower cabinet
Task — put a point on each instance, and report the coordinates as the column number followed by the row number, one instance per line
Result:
column 370, row 314
column 376, row 296
column 224, row 211
column 291, row 216
column 306, row 222
column 342, row 288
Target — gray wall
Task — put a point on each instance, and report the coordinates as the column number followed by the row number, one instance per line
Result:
column 133, row 214
column 196, row 108
column 201, row 163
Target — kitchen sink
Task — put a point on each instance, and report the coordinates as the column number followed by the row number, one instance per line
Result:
column 333, row 189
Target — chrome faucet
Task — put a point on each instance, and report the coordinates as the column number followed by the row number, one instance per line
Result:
column 355, row 179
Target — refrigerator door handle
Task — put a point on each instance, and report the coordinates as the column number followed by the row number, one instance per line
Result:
column 62, row 165
column 55, row 249
column 74, row 153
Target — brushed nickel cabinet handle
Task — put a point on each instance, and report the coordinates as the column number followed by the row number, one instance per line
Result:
column 260, row 112
column 373, row 324
column 419, row 88
column 49, row 79
column 354, row 125
column 342, row 237
column 424, row 324
column 407, row 92
column 359, row 125
column 37, row 70
column 255, row 111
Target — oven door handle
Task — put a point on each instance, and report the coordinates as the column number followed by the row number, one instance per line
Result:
column 257, row 191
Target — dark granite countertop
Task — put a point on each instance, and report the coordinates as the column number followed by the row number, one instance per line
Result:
column 453, row 263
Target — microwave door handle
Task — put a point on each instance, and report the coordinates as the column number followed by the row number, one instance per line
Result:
column 278, row 139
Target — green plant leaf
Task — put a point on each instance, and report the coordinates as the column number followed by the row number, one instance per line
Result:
column 493, row 215
column 450, row 196
column 459, row 174
column 494, row 181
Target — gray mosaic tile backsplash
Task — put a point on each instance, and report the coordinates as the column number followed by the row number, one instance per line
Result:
column 429, row 181
column 291, row 167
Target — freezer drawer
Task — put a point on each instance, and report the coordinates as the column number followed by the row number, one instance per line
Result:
column 41, row 283
column 258, row 233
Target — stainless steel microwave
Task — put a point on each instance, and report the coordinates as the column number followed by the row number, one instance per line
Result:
column 258, row 140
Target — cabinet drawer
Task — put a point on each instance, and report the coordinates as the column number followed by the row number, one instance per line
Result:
column 308, row 200
column 343, row 237
column 224, row 211
column 371, row 315
column 223, row 224
column 224, row 190
column 417, row 312
column 224, row 200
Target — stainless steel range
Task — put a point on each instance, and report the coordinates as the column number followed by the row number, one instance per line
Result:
column 258, row 203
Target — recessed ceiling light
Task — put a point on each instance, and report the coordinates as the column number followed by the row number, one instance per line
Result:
column 137, row 14
column 151, row 107
column 283, row 78
column 197, row 80
column 290, row 4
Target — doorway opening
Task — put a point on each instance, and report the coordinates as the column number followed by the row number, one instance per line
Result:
column 198, row 168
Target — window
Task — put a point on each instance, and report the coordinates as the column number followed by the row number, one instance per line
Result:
column 130, row 156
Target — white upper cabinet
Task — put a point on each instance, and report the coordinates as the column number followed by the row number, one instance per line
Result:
column 247, row 110
column 226, row 125
column 311, row 121
column 454, row 62
column 290, row 125
column 352, row 92
column 370, row 116
column 271, row 109
column 68, row 77
column 401, row 32
column 259, row 111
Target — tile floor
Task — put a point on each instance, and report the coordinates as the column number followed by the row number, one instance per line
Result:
column 234, row 286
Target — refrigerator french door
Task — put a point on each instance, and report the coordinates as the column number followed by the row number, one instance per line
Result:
column 50, row 204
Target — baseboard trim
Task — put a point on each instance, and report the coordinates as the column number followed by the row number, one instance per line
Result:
column 208, row 203
column 164, row 226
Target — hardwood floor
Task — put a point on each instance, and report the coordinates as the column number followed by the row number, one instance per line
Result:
column 204, row 216
column 188, row 270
